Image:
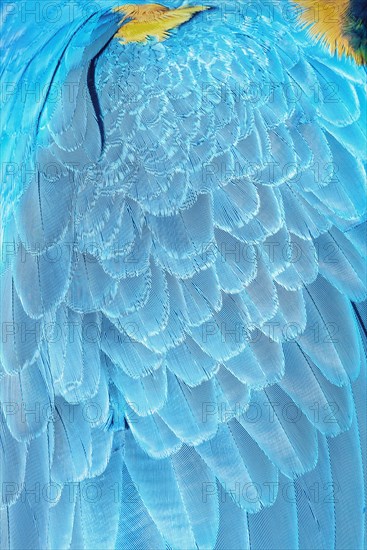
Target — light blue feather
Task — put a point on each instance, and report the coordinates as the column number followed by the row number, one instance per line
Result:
column 179, row 181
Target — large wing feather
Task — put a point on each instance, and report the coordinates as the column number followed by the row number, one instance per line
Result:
column 183, row 233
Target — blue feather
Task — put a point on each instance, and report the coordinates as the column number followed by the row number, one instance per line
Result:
column 183, row 233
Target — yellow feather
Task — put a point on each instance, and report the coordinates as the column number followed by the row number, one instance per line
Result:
column 152, row 20
column 326, row 19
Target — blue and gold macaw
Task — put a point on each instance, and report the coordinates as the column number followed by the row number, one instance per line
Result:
column 183, row 351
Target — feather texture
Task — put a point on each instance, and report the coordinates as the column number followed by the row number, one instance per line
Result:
column 181, row 365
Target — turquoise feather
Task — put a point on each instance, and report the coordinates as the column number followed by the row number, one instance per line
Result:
column 183, row 283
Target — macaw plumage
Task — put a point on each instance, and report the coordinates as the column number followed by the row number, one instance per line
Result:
column 183, row 281
column 341, row 25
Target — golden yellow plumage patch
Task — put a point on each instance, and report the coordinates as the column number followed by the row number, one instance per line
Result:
column 328, row 20
column 152, row 20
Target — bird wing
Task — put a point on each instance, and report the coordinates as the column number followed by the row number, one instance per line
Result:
column 183, row 235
